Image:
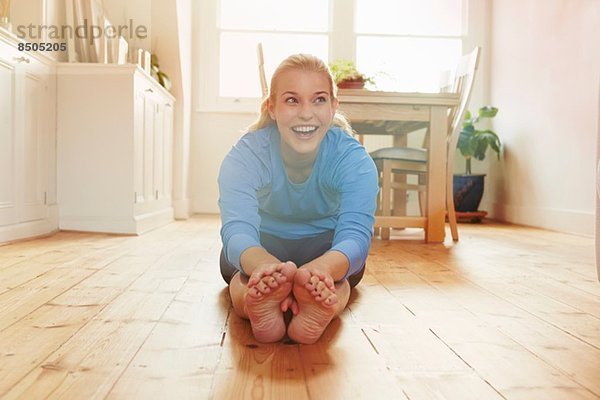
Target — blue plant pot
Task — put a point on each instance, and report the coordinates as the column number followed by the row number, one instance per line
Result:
column 468, row 191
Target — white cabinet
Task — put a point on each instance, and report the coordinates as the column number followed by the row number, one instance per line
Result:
column 27, row 142
column 115, row 144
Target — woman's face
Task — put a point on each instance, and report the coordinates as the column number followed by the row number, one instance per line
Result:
column 303, row 110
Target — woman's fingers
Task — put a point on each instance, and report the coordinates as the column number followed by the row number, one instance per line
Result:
column 273, row 270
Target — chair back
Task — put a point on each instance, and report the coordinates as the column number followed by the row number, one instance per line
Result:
column 446, row 81
column 261, row 71
column 463, row 85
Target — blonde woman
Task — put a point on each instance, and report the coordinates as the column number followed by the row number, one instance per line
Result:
column 297, row 199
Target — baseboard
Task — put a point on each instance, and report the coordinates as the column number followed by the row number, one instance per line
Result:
column 121, row 225
column 561, row 220
column 202, row 206
column 124, row 225
column 181, row 208
column 153, row 220
column 31, row 229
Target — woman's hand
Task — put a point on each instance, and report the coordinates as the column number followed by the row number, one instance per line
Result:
column 321, row 273
column 266, row 269
column 330, row 267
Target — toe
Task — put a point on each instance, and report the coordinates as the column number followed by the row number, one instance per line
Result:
column 324, row 294
column 271, row 282
column 330, row 300
column 279, row 277
column 262, row 287
column 320, row 286
column 253, row 292
column 302, row 277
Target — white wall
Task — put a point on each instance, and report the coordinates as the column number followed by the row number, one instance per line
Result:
column 183, row 122
column 545, row 67
column 171, row 41
column 213, row 134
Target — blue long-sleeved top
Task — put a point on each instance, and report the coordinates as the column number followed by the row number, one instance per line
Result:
column 257, row 196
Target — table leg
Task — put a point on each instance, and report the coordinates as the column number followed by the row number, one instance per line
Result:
column 400, row 194
column 436, row 175
column 385, row 198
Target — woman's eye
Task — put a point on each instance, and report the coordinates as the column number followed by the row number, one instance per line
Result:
column 291, row 100
column 321, row 99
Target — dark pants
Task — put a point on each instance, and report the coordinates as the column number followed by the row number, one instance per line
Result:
column 299, row 251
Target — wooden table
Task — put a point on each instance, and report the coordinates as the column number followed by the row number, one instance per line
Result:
column 432, row 108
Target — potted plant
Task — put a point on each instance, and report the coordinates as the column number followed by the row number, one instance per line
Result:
column 474, row 143
column 346, row 75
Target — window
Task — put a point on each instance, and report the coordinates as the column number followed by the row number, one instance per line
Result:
column 405, row 44
column 421, row 39
column 284, row 27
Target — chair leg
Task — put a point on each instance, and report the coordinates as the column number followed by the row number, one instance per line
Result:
column 377, row 229
column 422, row 196
column 386, row 192
column 451, row 212
column 399, row 200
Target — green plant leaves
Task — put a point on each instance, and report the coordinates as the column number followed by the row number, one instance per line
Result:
column 474, row 143
column 345, row 70
column 488, row 112
column 483, row 140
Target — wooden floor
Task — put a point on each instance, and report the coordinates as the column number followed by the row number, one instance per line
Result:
column 506, row 313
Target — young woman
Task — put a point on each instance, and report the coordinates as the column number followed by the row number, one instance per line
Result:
column 297, row 199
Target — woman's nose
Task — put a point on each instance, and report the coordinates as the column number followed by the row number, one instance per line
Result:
column 306, row 111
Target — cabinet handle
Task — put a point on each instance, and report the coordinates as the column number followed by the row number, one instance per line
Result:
column 168, row 105
column 21, row 59
column 149, row 90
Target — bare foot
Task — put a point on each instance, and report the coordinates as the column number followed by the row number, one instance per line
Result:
column 317, row 305
column 266, row 292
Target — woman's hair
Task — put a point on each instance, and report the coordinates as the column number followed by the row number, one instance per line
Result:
column 302, row 62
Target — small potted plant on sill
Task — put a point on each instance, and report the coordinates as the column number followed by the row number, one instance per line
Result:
column 346, row 75
column 474, row 143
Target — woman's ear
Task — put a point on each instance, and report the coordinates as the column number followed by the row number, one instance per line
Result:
column 335, row 103
column 271, row 109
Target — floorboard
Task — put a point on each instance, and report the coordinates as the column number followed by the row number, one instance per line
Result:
column 508, row 312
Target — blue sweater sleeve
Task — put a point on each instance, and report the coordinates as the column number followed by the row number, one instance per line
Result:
column 356, row 179
column 241, row 175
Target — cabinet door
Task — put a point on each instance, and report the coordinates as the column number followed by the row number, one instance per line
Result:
column 34, row 130
column 168, row 151
column 149, row 131
column 163, row 148
column 159, row 145
column 153, row 134
column 138, row 146
column 8, row 191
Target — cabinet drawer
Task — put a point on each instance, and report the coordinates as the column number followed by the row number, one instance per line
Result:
column 10, row 55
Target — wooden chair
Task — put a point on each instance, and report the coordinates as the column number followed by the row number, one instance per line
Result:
column 397, row 161
column 264, row 86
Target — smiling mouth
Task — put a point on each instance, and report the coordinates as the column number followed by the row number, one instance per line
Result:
column 304, row 131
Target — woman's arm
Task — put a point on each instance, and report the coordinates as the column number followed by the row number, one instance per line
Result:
column 355, row 179
column 255, row 257
column 242, row 174
column 332, row 262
